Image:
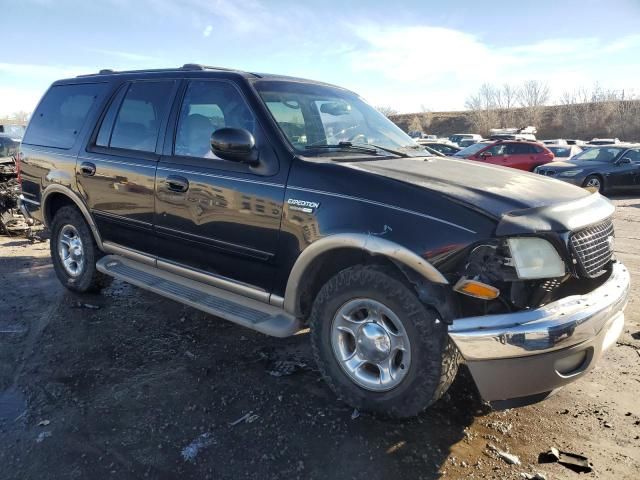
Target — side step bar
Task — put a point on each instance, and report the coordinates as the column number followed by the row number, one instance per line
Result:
column 244, row 311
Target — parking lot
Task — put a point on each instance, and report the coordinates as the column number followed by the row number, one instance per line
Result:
column 130, row 385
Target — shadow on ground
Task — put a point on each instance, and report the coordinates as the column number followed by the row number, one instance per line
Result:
column 135, row 385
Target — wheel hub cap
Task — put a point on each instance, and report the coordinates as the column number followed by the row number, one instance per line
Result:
column 71, row 250
column 370, row 344
column 373, row 343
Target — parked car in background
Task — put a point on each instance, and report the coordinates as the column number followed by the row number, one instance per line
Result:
column 444, row 148
column 524, row 133
column 607, row 168
column 604, row 141
column 518, row 154
column 466, row 142
column 572, row 141
column 564, row 152
column 459, row 137
column 555, row 141
column 15, row 131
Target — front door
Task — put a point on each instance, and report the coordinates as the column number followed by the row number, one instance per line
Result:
column 214, row 215
column 626, row 175
column 116, row 171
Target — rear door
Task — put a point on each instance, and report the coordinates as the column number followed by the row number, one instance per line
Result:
column 214, row 215
column 520, row 155
column 116, row 171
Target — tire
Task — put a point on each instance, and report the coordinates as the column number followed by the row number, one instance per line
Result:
column 595, row 182
column 432, row 359
column 69, row 223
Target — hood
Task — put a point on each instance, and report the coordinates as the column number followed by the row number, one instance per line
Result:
column 489, row 188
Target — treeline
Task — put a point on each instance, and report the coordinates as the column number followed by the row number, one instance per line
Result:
column 580, row 113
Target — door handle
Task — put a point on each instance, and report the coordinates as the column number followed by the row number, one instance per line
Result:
column 87, row 169
column 177, row 184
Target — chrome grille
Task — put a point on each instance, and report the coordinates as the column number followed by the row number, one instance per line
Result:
column 593, row 248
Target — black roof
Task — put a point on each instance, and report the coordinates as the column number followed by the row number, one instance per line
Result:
column 193, row 68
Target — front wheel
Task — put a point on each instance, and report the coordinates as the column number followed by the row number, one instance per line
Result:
column 379, row 348
column 593, row 183
column 74, row 252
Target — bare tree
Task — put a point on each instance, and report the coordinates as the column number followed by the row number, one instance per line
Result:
column 482, row 106
column 533, row 96
column 415, row 125
column 386, row 110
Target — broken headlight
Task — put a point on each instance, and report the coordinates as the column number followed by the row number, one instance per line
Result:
column 535, row 258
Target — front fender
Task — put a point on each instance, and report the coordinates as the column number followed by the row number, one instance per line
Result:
column 370, row 244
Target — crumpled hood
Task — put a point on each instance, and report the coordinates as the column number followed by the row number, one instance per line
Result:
column 492, row 189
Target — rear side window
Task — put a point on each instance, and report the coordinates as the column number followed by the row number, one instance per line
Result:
column 61, row 114
column 520, row 149
column 139, row 119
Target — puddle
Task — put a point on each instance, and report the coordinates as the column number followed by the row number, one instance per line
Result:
column 12, row 405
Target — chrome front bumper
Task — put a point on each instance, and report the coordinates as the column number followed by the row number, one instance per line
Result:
column 520, row 354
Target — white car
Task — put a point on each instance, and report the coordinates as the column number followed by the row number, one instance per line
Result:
column 564, row 152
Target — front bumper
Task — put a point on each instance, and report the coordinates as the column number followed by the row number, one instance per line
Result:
column 533, row 352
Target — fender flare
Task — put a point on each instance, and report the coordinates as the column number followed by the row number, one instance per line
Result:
column 75, row 198
column 367, row 243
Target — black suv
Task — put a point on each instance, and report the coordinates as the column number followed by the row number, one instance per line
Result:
column 282, row 204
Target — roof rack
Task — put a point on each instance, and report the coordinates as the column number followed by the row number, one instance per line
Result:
column 186, row 66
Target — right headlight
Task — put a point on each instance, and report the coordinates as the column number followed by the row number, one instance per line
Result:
column 535, row 258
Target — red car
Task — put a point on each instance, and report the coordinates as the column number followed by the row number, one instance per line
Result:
column 509, row 153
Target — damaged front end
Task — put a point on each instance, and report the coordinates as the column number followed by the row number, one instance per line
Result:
column 553, row 301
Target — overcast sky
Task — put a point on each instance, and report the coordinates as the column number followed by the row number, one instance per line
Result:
column 402, row 54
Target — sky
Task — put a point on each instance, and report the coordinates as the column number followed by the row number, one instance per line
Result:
column 407, row 55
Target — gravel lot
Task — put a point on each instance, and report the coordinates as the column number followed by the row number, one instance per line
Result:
column 130, row 385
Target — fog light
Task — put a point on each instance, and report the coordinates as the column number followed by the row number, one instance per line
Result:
column 476, row 289
column 569, row 364
column 615, row 330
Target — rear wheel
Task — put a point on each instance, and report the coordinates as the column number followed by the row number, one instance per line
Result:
column 594, row 182
column 379, row 348
column 74, row 252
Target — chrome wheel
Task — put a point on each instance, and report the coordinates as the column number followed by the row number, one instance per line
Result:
column 593, row 183
column 71, row 250
column 371, row 344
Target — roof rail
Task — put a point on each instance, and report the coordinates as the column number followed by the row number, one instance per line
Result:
column 198, row 66
column 186, row 66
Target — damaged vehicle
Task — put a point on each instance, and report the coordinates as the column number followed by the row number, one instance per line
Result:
column 283, row 204
column 11, row 221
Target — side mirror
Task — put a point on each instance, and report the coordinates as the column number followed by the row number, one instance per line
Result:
column 234, row 144
column 624, row 161
column 486, row 154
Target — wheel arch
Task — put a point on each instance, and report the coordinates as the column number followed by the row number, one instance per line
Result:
column 326, row 257
column 57, row 196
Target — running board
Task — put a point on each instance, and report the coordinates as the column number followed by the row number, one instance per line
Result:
column 230, row 306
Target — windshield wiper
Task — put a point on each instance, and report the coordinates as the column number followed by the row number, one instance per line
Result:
column 345, row 146
column 390, row 150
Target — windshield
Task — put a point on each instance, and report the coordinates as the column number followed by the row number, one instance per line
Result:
column 313, row 115
column 471, row 150
column 605, row 154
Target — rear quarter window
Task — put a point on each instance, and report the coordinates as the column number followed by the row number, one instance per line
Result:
column 62, row 113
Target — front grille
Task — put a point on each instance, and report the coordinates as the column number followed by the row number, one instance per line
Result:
column 546, row 172
column 593, row 248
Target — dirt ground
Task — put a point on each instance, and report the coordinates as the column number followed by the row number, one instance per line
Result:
column 130, row 385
